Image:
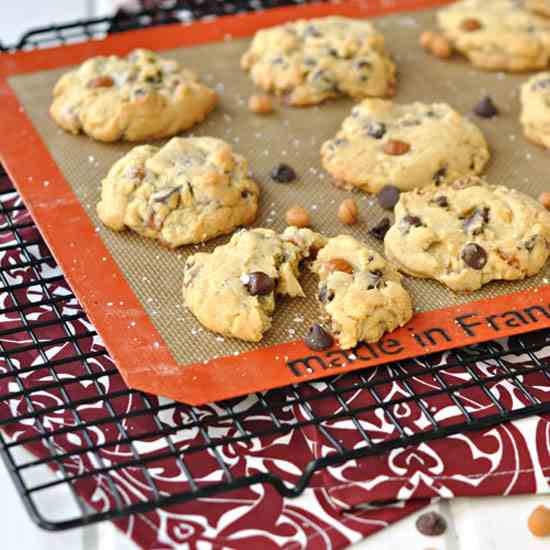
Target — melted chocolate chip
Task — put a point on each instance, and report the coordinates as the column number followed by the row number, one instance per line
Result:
column 318, row 339
column 259, row 284
column 374, row 278
column 325, row 295
column 431, row 524
column 486, row 108
column 474, row 256
column 283, row 173
column 439, row 176
column 412, row 221
column 376, row 130
column 475, row 222
column 530, row 243
column 388, row 197
column 442, row 201
column 380, row 229
column 164, row 195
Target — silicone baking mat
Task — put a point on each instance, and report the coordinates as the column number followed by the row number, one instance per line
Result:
column 132, row 287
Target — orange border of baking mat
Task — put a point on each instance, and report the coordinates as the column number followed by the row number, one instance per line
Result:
column 147, row 364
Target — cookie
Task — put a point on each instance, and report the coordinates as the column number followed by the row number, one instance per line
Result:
column 359, row 292
column 311, row 61
column 232, row 291
column 407, row 146
column 535, row 109
column 139, row 97
column 542, row 7
column 497, row 34
column 188, row 191
column 468, row 233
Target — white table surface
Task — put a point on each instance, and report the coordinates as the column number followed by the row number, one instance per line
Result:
column 473, row 524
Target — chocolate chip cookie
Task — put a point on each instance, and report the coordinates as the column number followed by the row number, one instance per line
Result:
column 232, row 290
column 542, row 7
column 311, row 61
column 359, row 292
column 497, row 34
column 468, row 233
column 406, row 146
column 139, row 97
column 188, row 191
column 535, row 109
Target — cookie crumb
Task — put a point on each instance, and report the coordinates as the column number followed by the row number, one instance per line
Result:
column 297, row 217
column 260, row 104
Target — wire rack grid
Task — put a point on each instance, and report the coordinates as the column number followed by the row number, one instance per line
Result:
column 62, row 398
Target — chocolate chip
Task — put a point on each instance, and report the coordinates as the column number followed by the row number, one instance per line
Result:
column 283, row 173
column 431, row 524
column 325, row 295
column 376, row 130
column 530, row 243
column 412, row 221
column 164, row 195
column 374, row 278
column 440, row 175
column 442, row 201
column 259, row 284
column 474, row 256
column 380, row 229
column 486, row 108
column 475, row 222
column 318, row 339
column 388, row 197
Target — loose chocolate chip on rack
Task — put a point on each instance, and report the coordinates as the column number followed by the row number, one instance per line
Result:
column 380, row 229
column 259, row 284
column 442, row 201
column 101, row 82
column 486, row 108
column 431, row 524
column 388, row 197
column 539, row 521
column 470, row 25
column 339, row 264
column 318, row 339
column 283, row 173
column 474, row 256
column 376, row 130
column 396, row 147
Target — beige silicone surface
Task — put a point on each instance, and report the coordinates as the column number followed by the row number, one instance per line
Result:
column 293, row 136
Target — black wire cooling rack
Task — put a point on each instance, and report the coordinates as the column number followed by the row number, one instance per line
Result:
column 314, row 407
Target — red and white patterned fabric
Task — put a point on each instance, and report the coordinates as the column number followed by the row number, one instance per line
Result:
column 509, row 459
